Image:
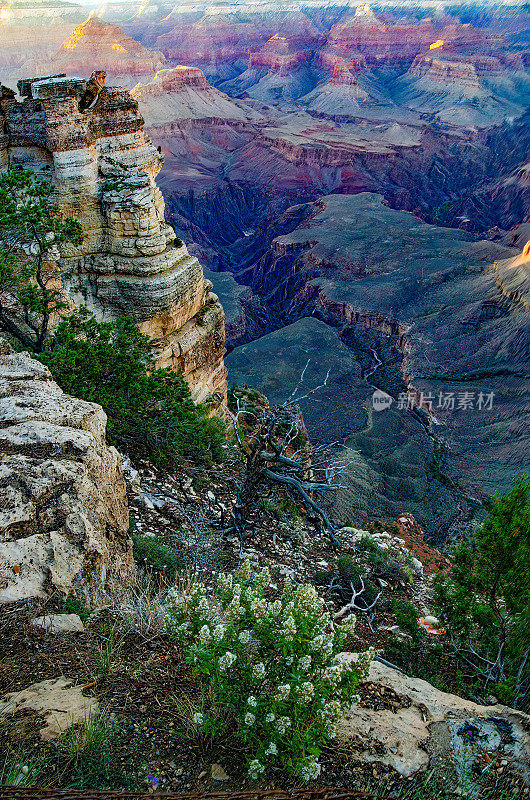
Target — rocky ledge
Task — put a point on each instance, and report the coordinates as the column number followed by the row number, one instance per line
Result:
column 64, row 514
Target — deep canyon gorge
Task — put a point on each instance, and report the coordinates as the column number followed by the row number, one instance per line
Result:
column 355, row 182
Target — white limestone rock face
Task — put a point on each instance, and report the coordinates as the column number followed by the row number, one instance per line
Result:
column 59, row 623
column 60, row 703
column 63, row 507
column 431, row 725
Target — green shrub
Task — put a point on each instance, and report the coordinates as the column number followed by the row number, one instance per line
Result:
column 486, row 599
column 407, row 618
column 157, row 557
column 347, row 568
column 271, row 665
column 373, row 553
column 392, row 570
column 149, row 410
column 73, row 605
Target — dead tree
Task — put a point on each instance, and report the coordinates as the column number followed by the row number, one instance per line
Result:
column 277, row 453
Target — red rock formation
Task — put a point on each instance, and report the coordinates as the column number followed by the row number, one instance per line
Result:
column 342, row 75
column 413, row 535
column 446, row 71
column 278, row 54
column 215, row 38
column 130, row 260
column 98, row 44
column 183, row 94
column 395, row 42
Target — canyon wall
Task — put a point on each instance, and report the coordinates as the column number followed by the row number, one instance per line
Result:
column 64, row 514
column 130, row 261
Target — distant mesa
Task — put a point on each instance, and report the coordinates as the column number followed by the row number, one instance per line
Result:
column 183, row 93
column 99, row 44
column 399, row 41
column 215, row 37
column 278, row 54
column 364, row 16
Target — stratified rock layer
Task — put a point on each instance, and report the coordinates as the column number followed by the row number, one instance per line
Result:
column 95, row 43
column 63, row 504
column 130, row 261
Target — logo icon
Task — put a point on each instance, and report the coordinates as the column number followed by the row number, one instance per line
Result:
column 381, row 400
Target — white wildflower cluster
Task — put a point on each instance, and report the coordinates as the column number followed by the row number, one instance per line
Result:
column 260, row 610
column 307, row 598
column 333, row 674
column 304, row 663
column 306, row 692
column 311, row 769
column 218, row 633
column 226, row 661
column 282, row 723
column 234, row 610
column 362, row 665
column 204, row 634
column 282, row 692
column 275, row 608
column 329, row 712
column 348, row 625
column 263, row 579
column 274, row 663
column 255, row 768
column 322, row 644
column 244, row 571
column 203, row 609
column 289, row 628
column 224, row 583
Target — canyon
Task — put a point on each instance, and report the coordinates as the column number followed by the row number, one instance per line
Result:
column 311, row 159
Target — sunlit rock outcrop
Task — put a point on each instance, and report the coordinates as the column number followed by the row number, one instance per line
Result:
column 130, row 261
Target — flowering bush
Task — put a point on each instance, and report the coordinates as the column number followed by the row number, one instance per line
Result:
column 273, row 665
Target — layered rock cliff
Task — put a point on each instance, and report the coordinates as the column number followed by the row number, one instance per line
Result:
column 64, row 514
column 130, row 261
column 97, row 43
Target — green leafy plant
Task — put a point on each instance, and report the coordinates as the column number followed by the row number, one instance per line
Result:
column 149, row 410
column 157, row 557
column 32, row 231
column 73, row 605
column 373, row 553
column 485, row 600
column 271, row 665
column 100, row 753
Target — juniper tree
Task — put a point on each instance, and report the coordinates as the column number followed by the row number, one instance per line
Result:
column 486, row 598
column 31, row 233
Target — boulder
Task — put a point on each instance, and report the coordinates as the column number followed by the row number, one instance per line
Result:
column 59, row 623
column 60, row 702
column 63, row 506
column 432, row 725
